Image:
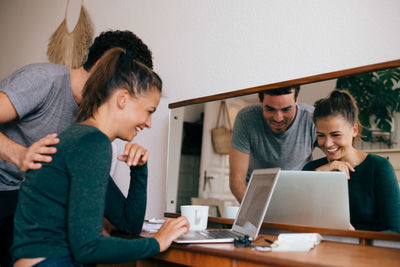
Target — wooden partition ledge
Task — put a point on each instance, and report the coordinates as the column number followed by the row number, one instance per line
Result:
column 299, row 81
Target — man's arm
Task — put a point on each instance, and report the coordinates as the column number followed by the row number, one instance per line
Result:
column 238, row 165
column 24, row 157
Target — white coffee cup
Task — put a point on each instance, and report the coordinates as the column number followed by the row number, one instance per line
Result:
column 197, row 216
column 230, row 211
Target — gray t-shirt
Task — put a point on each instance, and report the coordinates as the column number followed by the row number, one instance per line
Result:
column 41, row 94
column 289, row 151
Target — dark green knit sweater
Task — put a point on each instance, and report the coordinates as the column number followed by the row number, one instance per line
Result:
column 61, row 206
column 373, row 194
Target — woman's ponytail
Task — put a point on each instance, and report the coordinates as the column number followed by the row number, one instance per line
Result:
column 116, row 69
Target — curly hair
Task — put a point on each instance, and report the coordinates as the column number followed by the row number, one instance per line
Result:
column 124, row 39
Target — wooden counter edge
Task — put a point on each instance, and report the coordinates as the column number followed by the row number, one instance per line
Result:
column 364, row 236
column 261, row 258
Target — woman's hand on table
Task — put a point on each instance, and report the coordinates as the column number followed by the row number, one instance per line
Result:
column 171, row 230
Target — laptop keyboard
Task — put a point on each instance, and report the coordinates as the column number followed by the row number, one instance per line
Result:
column 217, row 234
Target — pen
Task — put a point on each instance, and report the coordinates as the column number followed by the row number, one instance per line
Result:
column 269, row 241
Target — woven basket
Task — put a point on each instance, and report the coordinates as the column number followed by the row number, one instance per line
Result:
column 222, row 135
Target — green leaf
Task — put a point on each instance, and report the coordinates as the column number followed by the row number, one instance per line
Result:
column 375, row 94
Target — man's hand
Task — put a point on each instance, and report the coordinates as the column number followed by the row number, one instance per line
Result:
column 39, row 151
column 24, row 157
column 134, row 155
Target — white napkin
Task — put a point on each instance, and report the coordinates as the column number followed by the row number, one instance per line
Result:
column 152, row 225
column 302, row 242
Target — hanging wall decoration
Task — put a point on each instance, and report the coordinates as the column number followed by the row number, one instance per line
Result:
column 70, row 48
column 221, row 135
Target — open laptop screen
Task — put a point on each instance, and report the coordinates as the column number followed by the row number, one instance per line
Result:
column 258, row 193
column 310, row 198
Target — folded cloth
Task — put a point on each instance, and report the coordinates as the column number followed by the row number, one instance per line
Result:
column 302, row 242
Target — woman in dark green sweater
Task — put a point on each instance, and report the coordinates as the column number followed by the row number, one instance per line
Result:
column 62, row 205
column 373, row 188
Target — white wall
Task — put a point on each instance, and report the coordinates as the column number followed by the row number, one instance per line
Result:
column 213, row 46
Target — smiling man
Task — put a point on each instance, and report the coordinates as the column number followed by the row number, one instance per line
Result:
column 279, row 132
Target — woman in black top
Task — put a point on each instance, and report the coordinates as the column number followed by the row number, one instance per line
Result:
column 61, row 206
column 374, row 195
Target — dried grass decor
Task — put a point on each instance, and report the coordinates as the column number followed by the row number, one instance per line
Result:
column 71, row 48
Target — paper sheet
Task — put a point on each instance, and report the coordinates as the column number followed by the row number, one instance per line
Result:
column 152, row 225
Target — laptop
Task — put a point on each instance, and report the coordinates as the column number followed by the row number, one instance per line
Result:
column 311, row 198
column 250, row 215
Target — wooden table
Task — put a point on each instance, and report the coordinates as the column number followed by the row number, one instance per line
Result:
column 327, row 253
column 225, row 254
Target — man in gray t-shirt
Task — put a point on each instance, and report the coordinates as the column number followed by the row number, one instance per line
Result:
column 42, row 97
column 278, row 133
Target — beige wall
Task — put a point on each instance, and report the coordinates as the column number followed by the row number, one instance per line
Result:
column 213, row 46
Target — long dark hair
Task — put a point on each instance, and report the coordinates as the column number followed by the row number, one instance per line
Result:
column 115, row 69
column 339, row 102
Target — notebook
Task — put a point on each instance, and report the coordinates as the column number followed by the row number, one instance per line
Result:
column 250, row 215
column 312, row 198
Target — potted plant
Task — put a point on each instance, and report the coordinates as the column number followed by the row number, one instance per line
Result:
column 378, row 98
